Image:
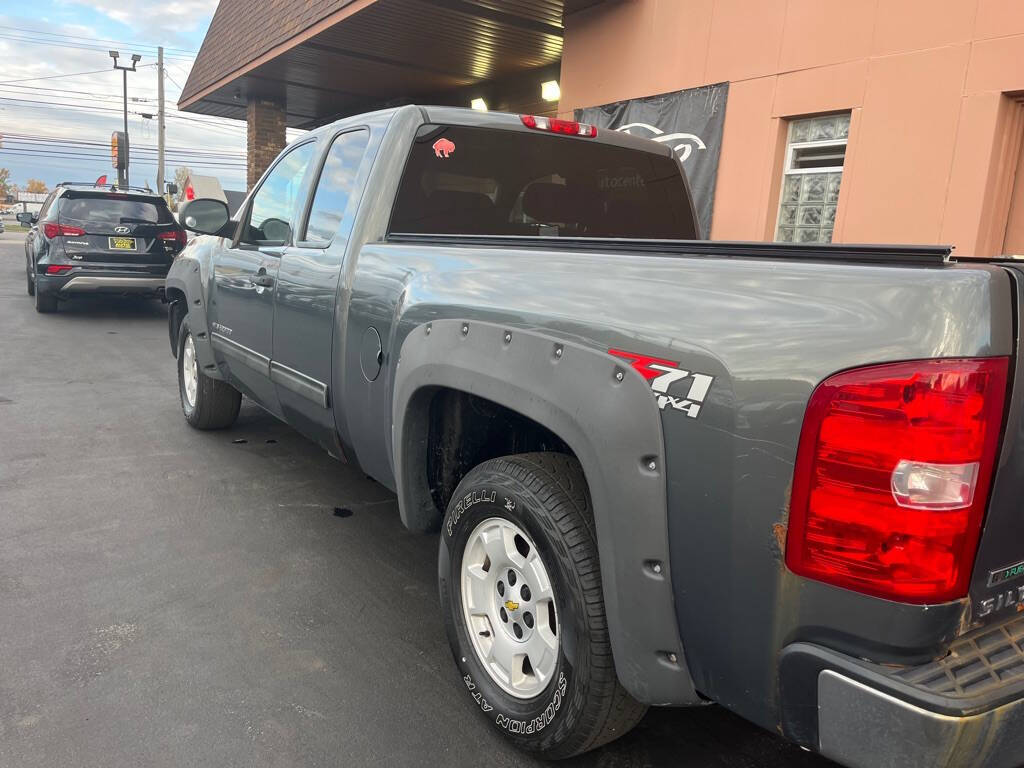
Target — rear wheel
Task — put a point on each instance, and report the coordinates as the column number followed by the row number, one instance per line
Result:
column 207, row 403
column 30, row 284
column 45, row 302
column 521, row 595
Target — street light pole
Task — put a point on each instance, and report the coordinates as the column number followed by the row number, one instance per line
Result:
column 124, row 76
column 124, row 81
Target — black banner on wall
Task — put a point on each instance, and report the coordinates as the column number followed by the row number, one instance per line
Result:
column 690, row 121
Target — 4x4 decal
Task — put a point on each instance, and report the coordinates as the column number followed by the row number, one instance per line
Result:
column 663, row 374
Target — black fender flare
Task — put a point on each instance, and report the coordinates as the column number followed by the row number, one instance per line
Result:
column 605, row 412
column 185, row 283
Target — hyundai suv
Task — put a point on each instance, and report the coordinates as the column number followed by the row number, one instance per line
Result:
column 91, row 239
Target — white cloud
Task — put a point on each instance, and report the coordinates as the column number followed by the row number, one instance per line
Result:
column 149, row 18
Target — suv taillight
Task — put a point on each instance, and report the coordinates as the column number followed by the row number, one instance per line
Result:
column 176, row 236
column 52, row 230
column 892, row 477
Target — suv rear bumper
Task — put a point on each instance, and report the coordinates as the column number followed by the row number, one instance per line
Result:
column 77, row 283
column 966, row 709
column 92, row 283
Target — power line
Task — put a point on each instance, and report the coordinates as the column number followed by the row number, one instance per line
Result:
column 96, row 40
column 168, row 75
column 76, row 46
column 105, row 157
column 51, row 77
column 91, row 108
column 10, row 138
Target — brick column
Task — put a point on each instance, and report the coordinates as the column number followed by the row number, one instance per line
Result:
column 265, row 137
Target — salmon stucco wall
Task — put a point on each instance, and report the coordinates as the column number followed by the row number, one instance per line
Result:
column 934, row 88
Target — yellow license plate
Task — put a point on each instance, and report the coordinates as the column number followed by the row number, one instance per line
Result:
column 122, row 243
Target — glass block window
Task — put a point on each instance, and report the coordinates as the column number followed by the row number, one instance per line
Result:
column 815, row 150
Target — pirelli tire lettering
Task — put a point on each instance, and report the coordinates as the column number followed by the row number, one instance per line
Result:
column 664, row 375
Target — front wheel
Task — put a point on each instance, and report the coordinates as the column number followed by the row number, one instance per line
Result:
column 523, row 609
column 207, row 403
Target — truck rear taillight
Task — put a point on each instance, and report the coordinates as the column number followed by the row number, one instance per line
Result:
column 554, row 125
column 892, row 477
column 52, row 230
column 58, row 269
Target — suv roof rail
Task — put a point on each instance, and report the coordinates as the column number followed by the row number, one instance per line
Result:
column 113, row 187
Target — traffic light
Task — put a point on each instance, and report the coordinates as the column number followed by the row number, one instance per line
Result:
column 119, row 150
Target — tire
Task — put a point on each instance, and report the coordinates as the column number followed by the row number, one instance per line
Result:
column 30, row 284
column 565, row 702
column 45, row 302
column 215, row 403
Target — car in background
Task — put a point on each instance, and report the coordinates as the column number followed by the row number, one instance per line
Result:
column 2, row 228
column 90, row 239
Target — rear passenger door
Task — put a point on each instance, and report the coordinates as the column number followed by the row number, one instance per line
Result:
column 307, row 289
column 245, row 275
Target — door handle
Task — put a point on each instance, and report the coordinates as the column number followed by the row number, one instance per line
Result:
column 263, row 281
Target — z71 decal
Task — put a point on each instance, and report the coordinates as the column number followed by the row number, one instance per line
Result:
column 663, row 374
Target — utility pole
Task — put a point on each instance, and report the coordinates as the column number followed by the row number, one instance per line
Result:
column 160, row 121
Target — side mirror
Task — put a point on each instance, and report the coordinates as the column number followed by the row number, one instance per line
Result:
column 25, row 218
column 204, row 215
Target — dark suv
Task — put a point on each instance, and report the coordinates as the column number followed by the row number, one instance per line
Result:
column 99, row 239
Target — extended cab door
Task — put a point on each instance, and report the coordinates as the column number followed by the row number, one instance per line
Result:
column 307, row 289
column 245, row 276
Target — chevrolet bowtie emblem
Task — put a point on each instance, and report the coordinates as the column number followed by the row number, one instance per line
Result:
column 512, row 606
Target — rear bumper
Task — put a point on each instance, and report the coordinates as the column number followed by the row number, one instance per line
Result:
column 94, row 283
column 966, row 709
column 861, row 726
column 77, row 283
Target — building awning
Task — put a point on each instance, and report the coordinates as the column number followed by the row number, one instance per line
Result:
column 324, row 59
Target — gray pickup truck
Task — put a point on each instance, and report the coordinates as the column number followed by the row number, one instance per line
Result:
column 786, row 479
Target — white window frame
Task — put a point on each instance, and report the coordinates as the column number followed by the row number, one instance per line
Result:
column 787, row 167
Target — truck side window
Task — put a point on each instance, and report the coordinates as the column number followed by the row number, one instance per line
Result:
column 334, row 189
column 273, row 205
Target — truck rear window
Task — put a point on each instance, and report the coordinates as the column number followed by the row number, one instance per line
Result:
column 113, row 210
column 482, row 181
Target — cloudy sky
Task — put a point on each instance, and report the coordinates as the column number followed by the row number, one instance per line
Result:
column 56, row 123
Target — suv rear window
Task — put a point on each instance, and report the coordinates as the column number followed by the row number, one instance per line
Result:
column 114, row 210
column 500, row 182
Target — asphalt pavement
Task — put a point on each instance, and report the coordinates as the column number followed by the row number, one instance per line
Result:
column 177, row 598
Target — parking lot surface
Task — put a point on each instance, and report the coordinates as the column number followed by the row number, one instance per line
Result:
column 172, row 597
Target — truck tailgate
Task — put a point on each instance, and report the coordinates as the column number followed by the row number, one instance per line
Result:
column 997, row 585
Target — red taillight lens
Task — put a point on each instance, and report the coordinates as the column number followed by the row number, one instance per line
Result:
column 190, row 193
column 176, row 236
column 52, row 230
column 58, row 269
column 554, row 125
column 892, row 477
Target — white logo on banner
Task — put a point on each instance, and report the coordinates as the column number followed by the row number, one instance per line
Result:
column 687, row 140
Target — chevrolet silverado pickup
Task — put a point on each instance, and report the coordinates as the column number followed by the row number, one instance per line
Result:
column 783, row 478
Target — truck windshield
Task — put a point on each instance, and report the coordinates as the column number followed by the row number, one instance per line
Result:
column 482, row 181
